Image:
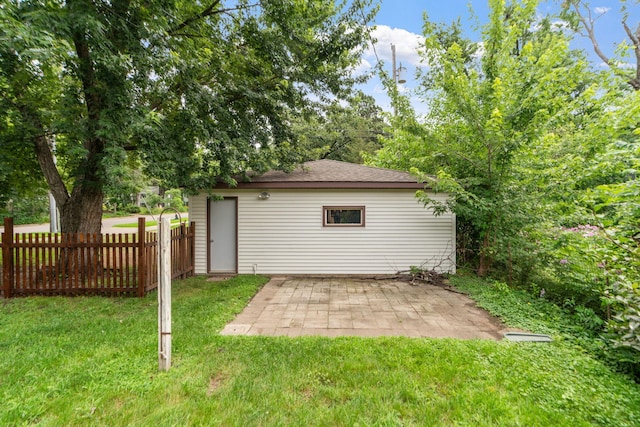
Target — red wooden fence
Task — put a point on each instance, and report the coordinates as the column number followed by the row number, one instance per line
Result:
column 89, row 264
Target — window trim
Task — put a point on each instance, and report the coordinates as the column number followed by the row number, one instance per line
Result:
column 325, row 209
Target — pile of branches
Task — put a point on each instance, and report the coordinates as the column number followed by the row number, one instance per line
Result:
column 421, row 274
column 416, row 276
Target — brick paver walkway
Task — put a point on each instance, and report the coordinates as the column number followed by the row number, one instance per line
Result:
column 358, row 307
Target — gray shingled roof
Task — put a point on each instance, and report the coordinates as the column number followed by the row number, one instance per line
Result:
column 334, row 174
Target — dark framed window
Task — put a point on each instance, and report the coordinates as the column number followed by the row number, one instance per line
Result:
column 343, row 216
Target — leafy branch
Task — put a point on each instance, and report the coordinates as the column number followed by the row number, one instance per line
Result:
column 206, row 12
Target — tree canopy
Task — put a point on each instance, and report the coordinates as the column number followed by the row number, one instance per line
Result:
column 539, row 153
column 483, row 111
column 197, row 92
column 342, row 132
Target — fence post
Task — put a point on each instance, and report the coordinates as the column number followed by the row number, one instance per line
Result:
column 182, row 248
column 192, row 254
column 142, row 257
column 7, row 256
column 164, row 293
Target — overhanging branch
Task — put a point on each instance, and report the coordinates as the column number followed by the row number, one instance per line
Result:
column 635, row 39
column 207, row 11
column 588, row 23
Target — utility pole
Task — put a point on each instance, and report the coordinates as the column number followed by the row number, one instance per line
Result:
column 398, row 76
column 398, row 73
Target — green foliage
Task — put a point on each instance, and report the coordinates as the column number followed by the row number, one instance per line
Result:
column 604, row 190
column 132, row 209
column 483, row 112
column 577, row 267
column 123, row 180
column 540, row 156
column 173, row 199
column 152, row 201
column 30, row 208
column 343, row 133
column 199, row 92
column 261, row 65
column 625, row 324
column 576, row 325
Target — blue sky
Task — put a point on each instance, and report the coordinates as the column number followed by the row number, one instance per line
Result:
column 400, row 22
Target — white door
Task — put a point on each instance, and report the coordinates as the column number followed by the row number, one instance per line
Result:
column 223, row 222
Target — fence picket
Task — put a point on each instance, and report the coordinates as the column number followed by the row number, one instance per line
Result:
column 89, row 264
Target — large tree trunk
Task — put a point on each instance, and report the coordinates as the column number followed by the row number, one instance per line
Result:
column 82, row 212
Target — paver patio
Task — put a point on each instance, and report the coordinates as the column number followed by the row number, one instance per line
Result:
column 362, row 307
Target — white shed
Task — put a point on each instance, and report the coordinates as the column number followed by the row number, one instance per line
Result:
column 326, row 217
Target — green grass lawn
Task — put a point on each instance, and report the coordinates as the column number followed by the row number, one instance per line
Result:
column 93, row 361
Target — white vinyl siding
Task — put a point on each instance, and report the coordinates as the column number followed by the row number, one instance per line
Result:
column 198, row 214
column 284, row 234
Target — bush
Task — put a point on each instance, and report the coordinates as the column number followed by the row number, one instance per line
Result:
column 625, row 323
column 28, row 210
column 577, row 270
column 173, row 199
column 132, row 209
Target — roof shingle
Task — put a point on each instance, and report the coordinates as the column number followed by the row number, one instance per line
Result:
column 334, row 174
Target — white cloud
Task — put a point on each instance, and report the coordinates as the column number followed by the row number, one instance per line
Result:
column 479, row 53
column 619, row 64
column 601, row 10
column 407, row 45
column 363, row 67
column 560, row 25
column 626, row 65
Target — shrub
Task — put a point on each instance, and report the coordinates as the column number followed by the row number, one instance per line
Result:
column 625, row 323
column 576, row 274
column 28, row 210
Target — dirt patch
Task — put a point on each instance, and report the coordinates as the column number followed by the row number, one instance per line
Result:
column 219, row 278
column 215, row 383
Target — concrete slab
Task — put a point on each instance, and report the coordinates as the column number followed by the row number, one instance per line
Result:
column 360, row 307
